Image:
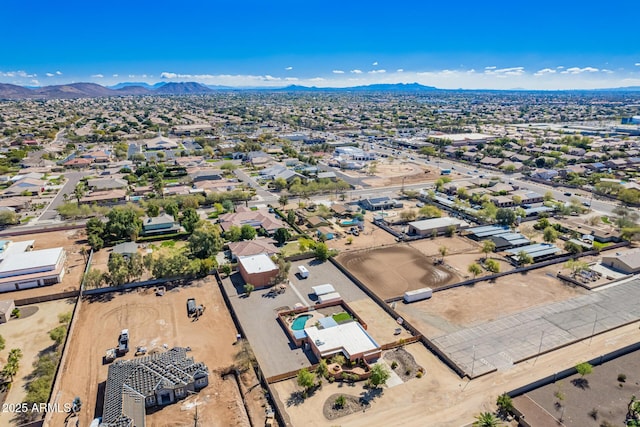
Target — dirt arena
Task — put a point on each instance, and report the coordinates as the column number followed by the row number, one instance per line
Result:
column 72, row 241
column 155, row 321
column 390, row 271
column 456, row 308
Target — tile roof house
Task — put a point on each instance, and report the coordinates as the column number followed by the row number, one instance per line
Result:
column 155, row 380
column 258, row 219
column 253, row 247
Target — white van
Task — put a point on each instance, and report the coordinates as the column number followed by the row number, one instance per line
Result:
column 303, row 272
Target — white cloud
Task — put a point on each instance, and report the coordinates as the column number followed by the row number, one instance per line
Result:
column 166, row 75
column 49, row 74
column 288, row 68
column 133, row 76
column 20, row 73
column 544, row 71
column 316, row 79
column 97, row 76
column 356, row 71
column 375, row 63
column 578, row 70
column 606, row 70
column 560, row 67
column 399, row 70
column 59, row 73
column 35, row 82
column 291, row 79
column 504, row 72
column 338, row 72
column 115, row 76
column 637, row 64
column 377, row 71
column 490, row 68
column 271, row 78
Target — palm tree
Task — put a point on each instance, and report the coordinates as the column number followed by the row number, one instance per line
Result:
column 486, row 419
column 283, row 200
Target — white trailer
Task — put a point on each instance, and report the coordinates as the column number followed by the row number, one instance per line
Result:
column 323, row 289
column 303, row 272
column 331, row 297
column 417, row 295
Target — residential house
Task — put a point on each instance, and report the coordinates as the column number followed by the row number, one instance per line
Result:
column 77, row 163
column 111, row 183
column 627, row 262
column 24, row 186
column 253, row 247
column 144, row 382
column 380, row 203
column 126, row 249
column 545, row 174
column 105, row 197
column 260, row 219
column 24, row 268
column 492, row 161
column 160, row 143
column 161, row 224
column 258, row 270
column 317, row 221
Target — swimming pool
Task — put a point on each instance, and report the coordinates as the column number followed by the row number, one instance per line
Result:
column 348, row 222
column 300, row 321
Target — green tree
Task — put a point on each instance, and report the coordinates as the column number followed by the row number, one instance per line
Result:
column 340, row 401
column 226, row 269
column 429, row 211
column 153, row 210
column 584, row 368
column 280, row 184
column 338, row 359
column 486, row 419
column 58, row 334
column 118, row 269
column 93, row 278
column 408, row 215
column 291, row 216
column 474, row 269
column 247, row 232
column 488, row 246
column 572, row 247
column 321, row 251
column 576, row 266
column 233, row 234
column 305, row 379
column 492, row 265
column 379, row 375
column 124, row 223
column 95, row 242
column 171, row 208
column 548, row 196
column 205, row 241
column 550, row 235
column 283, row 200
column 505, row 405
column 190, row 219
column 158, row 186
column 2, row 343
column 443, row 250
column 8, row 218
column 322, row 371
column 282, row 235
column 505, row 216
column 79, row 191
column 248, row 288
column 524, row 258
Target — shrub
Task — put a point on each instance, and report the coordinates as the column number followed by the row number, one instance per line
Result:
column 394, row 365
column 622, row 378
column 15, row 313
column 419, row 374
column 407, row 372
column 340, row 401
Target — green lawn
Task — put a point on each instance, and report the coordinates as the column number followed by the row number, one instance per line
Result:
column 341, row 317
column 600, row 246
column 605, row 219
column 168, row 244
column 290, row 249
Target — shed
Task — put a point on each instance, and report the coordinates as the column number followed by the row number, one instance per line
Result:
column 323, row 289
column 6, row 307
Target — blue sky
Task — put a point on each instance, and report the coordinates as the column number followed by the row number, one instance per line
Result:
column 534, row 45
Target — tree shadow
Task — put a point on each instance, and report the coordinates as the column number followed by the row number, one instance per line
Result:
column 370, row 395
column 296, row 398
column 581, row 383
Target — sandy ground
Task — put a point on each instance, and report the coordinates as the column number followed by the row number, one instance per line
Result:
column 371, row 237
column 441, row 398
column 380, row 325
column 392, row 270
column 397, row 172
column 152, row 322
column 72, row 241
column 469, row 305
column 31, row 335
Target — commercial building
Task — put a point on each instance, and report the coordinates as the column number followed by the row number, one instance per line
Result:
column 23, row 268
column 257, row 270
column 155, row 380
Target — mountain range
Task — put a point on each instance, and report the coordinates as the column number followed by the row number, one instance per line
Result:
column 93, row 90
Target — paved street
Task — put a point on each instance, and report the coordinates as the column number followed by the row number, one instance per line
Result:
column 72, row 180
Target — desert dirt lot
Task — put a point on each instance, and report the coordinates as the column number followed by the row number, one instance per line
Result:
column 154, row 321
column 393, row 270
column 371, row 237
column 72, row 241
column 441, row 398
column 464, row 306
column 30, row 334
column 397, row 172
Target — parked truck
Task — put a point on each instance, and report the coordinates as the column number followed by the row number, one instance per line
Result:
column 191, row 307
column 417, row 295
column 303, row 272
column 123, row 343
